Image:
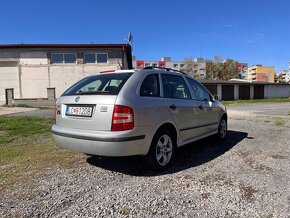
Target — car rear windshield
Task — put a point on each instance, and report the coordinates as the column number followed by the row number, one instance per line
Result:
column 103, row 84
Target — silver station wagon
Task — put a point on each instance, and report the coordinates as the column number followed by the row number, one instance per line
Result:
column 149, row 112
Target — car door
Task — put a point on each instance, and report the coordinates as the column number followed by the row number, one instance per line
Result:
column 208, row 111
column 178, row 101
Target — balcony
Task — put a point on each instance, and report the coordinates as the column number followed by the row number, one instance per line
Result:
column 254, row 73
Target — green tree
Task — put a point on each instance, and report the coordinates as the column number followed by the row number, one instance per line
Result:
column 218, row 70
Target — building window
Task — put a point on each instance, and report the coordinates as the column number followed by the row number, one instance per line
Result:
column 57, row 58
column 102, row 58
column 63, row 58
column 175, row 65
column 92, row 58
column 69, row 58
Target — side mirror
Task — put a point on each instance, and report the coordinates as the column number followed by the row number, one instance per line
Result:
column 216, row 97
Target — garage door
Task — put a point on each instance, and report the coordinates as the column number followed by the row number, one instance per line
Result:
column 244, row 92
column 8, row 79
column 258, row 91
column 211, row 88
column 227, row 92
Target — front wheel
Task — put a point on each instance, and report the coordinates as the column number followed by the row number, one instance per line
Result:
column 223, row 128
column 162, row 150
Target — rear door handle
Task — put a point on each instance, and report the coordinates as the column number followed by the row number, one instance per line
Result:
column 200, row 107
column 173, row 107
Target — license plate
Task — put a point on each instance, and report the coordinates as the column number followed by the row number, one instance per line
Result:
column 79, row 111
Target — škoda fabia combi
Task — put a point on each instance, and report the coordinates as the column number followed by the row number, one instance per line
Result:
column 149, row 112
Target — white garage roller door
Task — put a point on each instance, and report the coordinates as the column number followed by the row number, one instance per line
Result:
column 8, row 79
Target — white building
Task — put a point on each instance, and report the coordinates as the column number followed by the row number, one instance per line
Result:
column 198, row 65
column 283, row 76
column 29, row 69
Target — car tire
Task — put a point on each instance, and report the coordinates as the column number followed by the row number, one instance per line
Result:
column 162, row 150
column 222, row 129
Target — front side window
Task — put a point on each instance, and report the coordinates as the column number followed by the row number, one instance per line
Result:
column 104, row 84
column 199, row 91
column 174, row 87
column 150, row 86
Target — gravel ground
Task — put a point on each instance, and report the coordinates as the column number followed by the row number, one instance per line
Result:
column 15, row 110
column 247, row 176
column 26, row 111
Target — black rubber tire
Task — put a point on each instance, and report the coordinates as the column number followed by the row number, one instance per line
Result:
column 221, row 135
column 152, row 155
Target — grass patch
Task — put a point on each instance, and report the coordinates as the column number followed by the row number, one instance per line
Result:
column 288, row 113
column 15, row 128
column 279, row 121
column 270, row 100
column 27, row 151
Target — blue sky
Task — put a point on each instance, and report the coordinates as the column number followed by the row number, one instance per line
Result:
column 251, row 31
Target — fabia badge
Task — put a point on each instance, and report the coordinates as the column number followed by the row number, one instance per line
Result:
column 77, row 99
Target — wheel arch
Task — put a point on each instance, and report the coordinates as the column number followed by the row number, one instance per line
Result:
column 225, row 115
column 171, row 128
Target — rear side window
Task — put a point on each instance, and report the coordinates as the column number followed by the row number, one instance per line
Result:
column 174, row 87
column 104, row 84
column 150, row 86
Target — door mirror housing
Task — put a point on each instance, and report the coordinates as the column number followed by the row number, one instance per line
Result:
column 216, row 97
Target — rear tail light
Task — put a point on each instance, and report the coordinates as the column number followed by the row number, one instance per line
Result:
column 123, row 118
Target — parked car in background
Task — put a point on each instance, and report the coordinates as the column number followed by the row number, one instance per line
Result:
column 150, row 112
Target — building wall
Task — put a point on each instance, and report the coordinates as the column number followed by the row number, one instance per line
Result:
column 227, row 91
column 30, row 72
column 277, row 91
column 9, row 78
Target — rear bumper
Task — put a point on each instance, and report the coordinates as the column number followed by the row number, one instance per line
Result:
column 125, row 143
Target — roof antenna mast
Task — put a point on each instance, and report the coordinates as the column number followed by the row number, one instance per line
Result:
column 130, row 40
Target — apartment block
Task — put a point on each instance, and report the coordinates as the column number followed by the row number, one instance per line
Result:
column 283, row 76
column 197, row 65
column 261, row 73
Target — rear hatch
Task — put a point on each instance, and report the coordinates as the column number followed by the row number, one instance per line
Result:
column 89, row 104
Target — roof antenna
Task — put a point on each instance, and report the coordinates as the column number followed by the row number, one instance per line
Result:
column 130, row 40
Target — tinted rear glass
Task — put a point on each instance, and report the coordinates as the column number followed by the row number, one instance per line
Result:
column 104, row 84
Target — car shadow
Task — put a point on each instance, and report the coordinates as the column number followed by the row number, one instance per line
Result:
column 191, row 155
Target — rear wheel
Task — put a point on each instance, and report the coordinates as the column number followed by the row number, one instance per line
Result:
column 162, row 149
column 223, row 128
